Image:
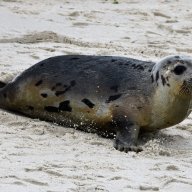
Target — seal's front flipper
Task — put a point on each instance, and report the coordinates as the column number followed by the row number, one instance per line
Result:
column 126, row 137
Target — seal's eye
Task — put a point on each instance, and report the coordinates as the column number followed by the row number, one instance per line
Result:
column 178, row 70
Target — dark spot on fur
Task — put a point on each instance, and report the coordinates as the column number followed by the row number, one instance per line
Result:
column 42, row 64
column 113, row 60
column 168, row 123
column 140, row 67
column 149, row 70
column 113, row 98
column 163, row 80
column 114, row 88
column 44, row 95
column 116, row 105
column 65, row 106
column 65, row 86
column 2, row 84
column 177, row 57
column 73, row 83
column 139, row 107
column 183, row 62
column 157, row 76
column 152, row 78
column 30, row 108
column 88, row 103
column 168, row 84
column 132, row 88
column 133, row 66
column 58, row 93
column 169, row 62
column 58, row 84
column 51, row 109
column 4, row 95
column 74, row 58
column 53, row 88
column 39, row 82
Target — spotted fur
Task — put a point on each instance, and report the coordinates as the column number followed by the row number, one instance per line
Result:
column 132, row 94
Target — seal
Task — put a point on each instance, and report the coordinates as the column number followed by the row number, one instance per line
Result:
column 104, row 94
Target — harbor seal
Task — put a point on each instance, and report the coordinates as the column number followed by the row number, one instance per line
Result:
column 104, row 94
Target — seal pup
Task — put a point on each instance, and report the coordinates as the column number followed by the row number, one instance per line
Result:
column 104, row 94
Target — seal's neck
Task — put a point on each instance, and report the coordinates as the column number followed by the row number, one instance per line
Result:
column 170, row 106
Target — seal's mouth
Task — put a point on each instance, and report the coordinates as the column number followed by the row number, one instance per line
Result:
column 186, row 88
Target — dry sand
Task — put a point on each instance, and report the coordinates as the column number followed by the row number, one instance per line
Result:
column 40, row 156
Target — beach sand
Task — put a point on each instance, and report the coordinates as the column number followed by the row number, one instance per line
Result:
column 40, row 156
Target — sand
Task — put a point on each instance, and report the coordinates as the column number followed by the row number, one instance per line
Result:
column 41, row 156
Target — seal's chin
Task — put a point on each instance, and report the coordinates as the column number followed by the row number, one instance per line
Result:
column 186, row 88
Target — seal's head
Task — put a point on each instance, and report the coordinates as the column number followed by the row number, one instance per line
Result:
column 174, row 72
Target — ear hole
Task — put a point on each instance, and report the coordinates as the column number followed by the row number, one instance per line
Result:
column 178, row 70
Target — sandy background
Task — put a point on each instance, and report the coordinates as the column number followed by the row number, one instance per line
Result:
column 40, row 156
